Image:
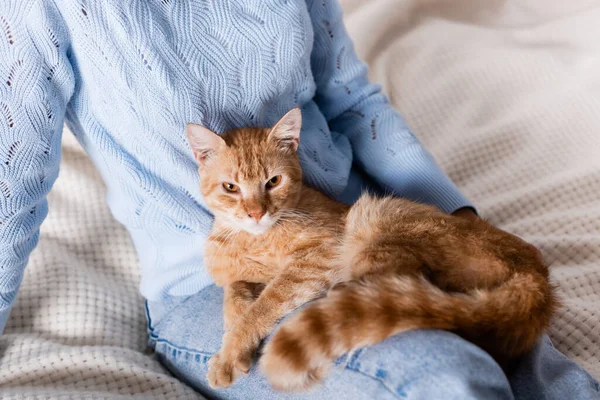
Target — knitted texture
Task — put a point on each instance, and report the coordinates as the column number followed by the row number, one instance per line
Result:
column 130, row 75
column 515, row 127
column 78, row 329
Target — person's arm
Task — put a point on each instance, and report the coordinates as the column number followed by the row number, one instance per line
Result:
column 36, row 84
column 383, row 145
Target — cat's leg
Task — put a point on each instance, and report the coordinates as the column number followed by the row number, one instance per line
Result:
column 225, row 269
column 476, row 255
column 239, row 296
column 453, row 253
column 288, row 291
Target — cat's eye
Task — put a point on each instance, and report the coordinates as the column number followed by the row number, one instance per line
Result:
column 274, row 181
column 230, row 187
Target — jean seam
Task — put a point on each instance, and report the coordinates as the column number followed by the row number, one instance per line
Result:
column 381, row 381
column 353, row 364
column 154, row 339
column 171, row 346
column 149, row 326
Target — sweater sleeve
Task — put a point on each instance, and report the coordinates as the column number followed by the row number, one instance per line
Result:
column 35, row 86
column 383, row 145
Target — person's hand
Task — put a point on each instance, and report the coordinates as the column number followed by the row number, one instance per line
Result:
column 466, row 213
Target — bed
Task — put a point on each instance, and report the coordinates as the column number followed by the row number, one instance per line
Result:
column 505, row 94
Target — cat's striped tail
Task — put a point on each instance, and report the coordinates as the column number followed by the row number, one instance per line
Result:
column 506, row 321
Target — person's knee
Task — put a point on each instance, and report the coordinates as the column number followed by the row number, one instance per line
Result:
column 433, row 365
column 424, row 364
column 193, row 324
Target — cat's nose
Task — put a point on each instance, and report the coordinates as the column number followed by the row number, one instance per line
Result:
column 256, row 215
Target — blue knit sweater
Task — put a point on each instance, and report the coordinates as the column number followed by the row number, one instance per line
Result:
column 127, row 76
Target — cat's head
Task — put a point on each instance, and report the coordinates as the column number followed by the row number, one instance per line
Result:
column 250, row 178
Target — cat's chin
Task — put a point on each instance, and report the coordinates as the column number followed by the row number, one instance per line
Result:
column 248, row 226
column 257, row 233
column 257, row 230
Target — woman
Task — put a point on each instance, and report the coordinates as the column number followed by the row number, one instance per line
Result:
column 128, row 76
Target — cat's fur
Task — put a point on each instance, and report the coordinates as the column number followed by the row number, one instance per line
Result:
column 398, row 265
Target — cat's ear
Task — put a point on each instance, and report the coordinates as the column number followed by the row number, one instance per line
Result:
column 286, row 132
column 204, row 142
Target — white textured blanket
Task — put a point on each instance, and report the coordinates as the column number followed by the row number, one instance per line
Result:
column 505, row 94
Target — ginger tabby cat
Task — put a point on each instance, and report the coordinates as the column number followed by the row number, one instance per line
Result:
column 385, row 265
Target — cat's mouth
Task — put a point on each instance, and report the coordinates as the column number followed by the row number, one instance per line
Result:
column 258, row 228
column 248, row 225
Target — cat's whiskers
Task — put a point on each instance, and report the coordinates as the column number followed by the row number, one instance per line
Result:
column 283, row 220
column 293, row 220
column 228, row 233
column 296, row 214
column 220, row 247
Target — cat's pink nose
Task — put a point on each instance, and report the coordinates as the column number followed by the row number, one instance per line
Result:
column 256, row 215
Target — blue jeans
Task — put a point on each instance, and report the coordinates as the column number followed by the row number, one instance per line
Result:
column 424, row 364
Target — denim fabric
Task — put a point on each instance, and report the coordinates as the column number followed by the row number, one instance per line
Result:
column 424, row 364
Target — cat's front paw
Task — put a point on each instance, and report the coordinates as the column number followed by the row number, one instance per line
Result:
column 224, row 369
